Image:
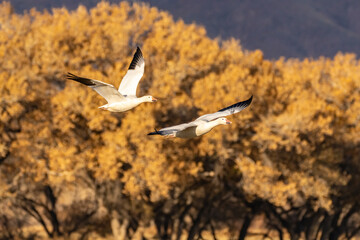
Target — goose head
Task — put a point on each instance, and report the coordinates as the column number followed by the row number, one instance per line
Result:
column 148, row 98
column 223, row 121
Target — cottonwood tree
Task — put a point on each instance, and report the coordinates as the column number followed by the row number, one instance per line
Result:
column 291, row 158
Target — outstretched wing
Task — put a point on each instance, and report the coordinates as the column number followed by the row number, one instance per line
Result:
column 235, row 108
column 174, row 129
column 132, row 78
column 106, row 90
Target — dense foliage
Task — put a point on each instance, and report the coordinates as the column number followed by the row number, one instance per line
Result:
column 291, row 159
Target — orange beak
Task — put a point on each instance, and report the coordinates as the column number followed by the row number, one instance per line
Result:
column 228, row 122
column 154, row 99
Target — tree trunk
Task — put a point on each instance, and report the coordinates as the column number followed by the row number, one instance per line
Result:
column 52, row 210
column 118, row 230
column 312, row 229
column 194, row 228
column 326, row 227
column 245, row 227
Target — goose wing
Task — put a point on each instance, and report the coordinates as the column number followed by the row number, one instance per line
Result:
column 106, row 90
column 235, row 108
column 174, row 129
column 132, row 78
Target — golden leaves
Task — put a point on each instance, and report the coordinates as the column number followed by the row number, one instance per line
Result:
column 3, row 150
column 301, row 112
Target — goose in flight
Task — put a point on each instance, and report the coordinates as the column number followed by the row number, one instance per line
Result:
column 202, row 124
column 125, row 98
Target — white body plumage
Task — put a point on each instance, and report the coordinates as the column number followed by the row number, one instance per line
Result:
column 125, row 98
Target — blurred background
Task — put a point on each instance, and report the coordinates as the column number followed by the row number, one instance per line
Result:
column 287, row 168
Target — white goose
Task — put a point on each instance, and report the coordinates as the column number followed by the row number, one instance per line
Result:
column 125, row 98
column 204, row 123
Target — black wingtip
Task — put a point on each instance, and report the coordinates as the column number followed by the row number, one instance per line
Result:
column 71, row 76
column 154, row 133
column 246, row 103
column 84, row 81
column 243, row 104
column 249, row 100
column 136, row 59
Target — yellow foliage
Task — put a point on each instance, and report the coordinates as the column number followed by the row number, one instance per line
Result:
column 287, row 146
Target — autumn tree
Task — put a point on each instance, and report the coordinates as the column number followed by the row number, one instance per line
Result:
column 291, row 158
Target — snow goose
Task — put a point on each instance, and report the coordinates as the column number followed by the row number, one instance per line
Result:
column 202, row 124
column 125, row 98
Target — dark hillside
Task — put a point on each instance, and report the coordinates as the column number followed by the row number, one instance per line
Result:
column 277, row 27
